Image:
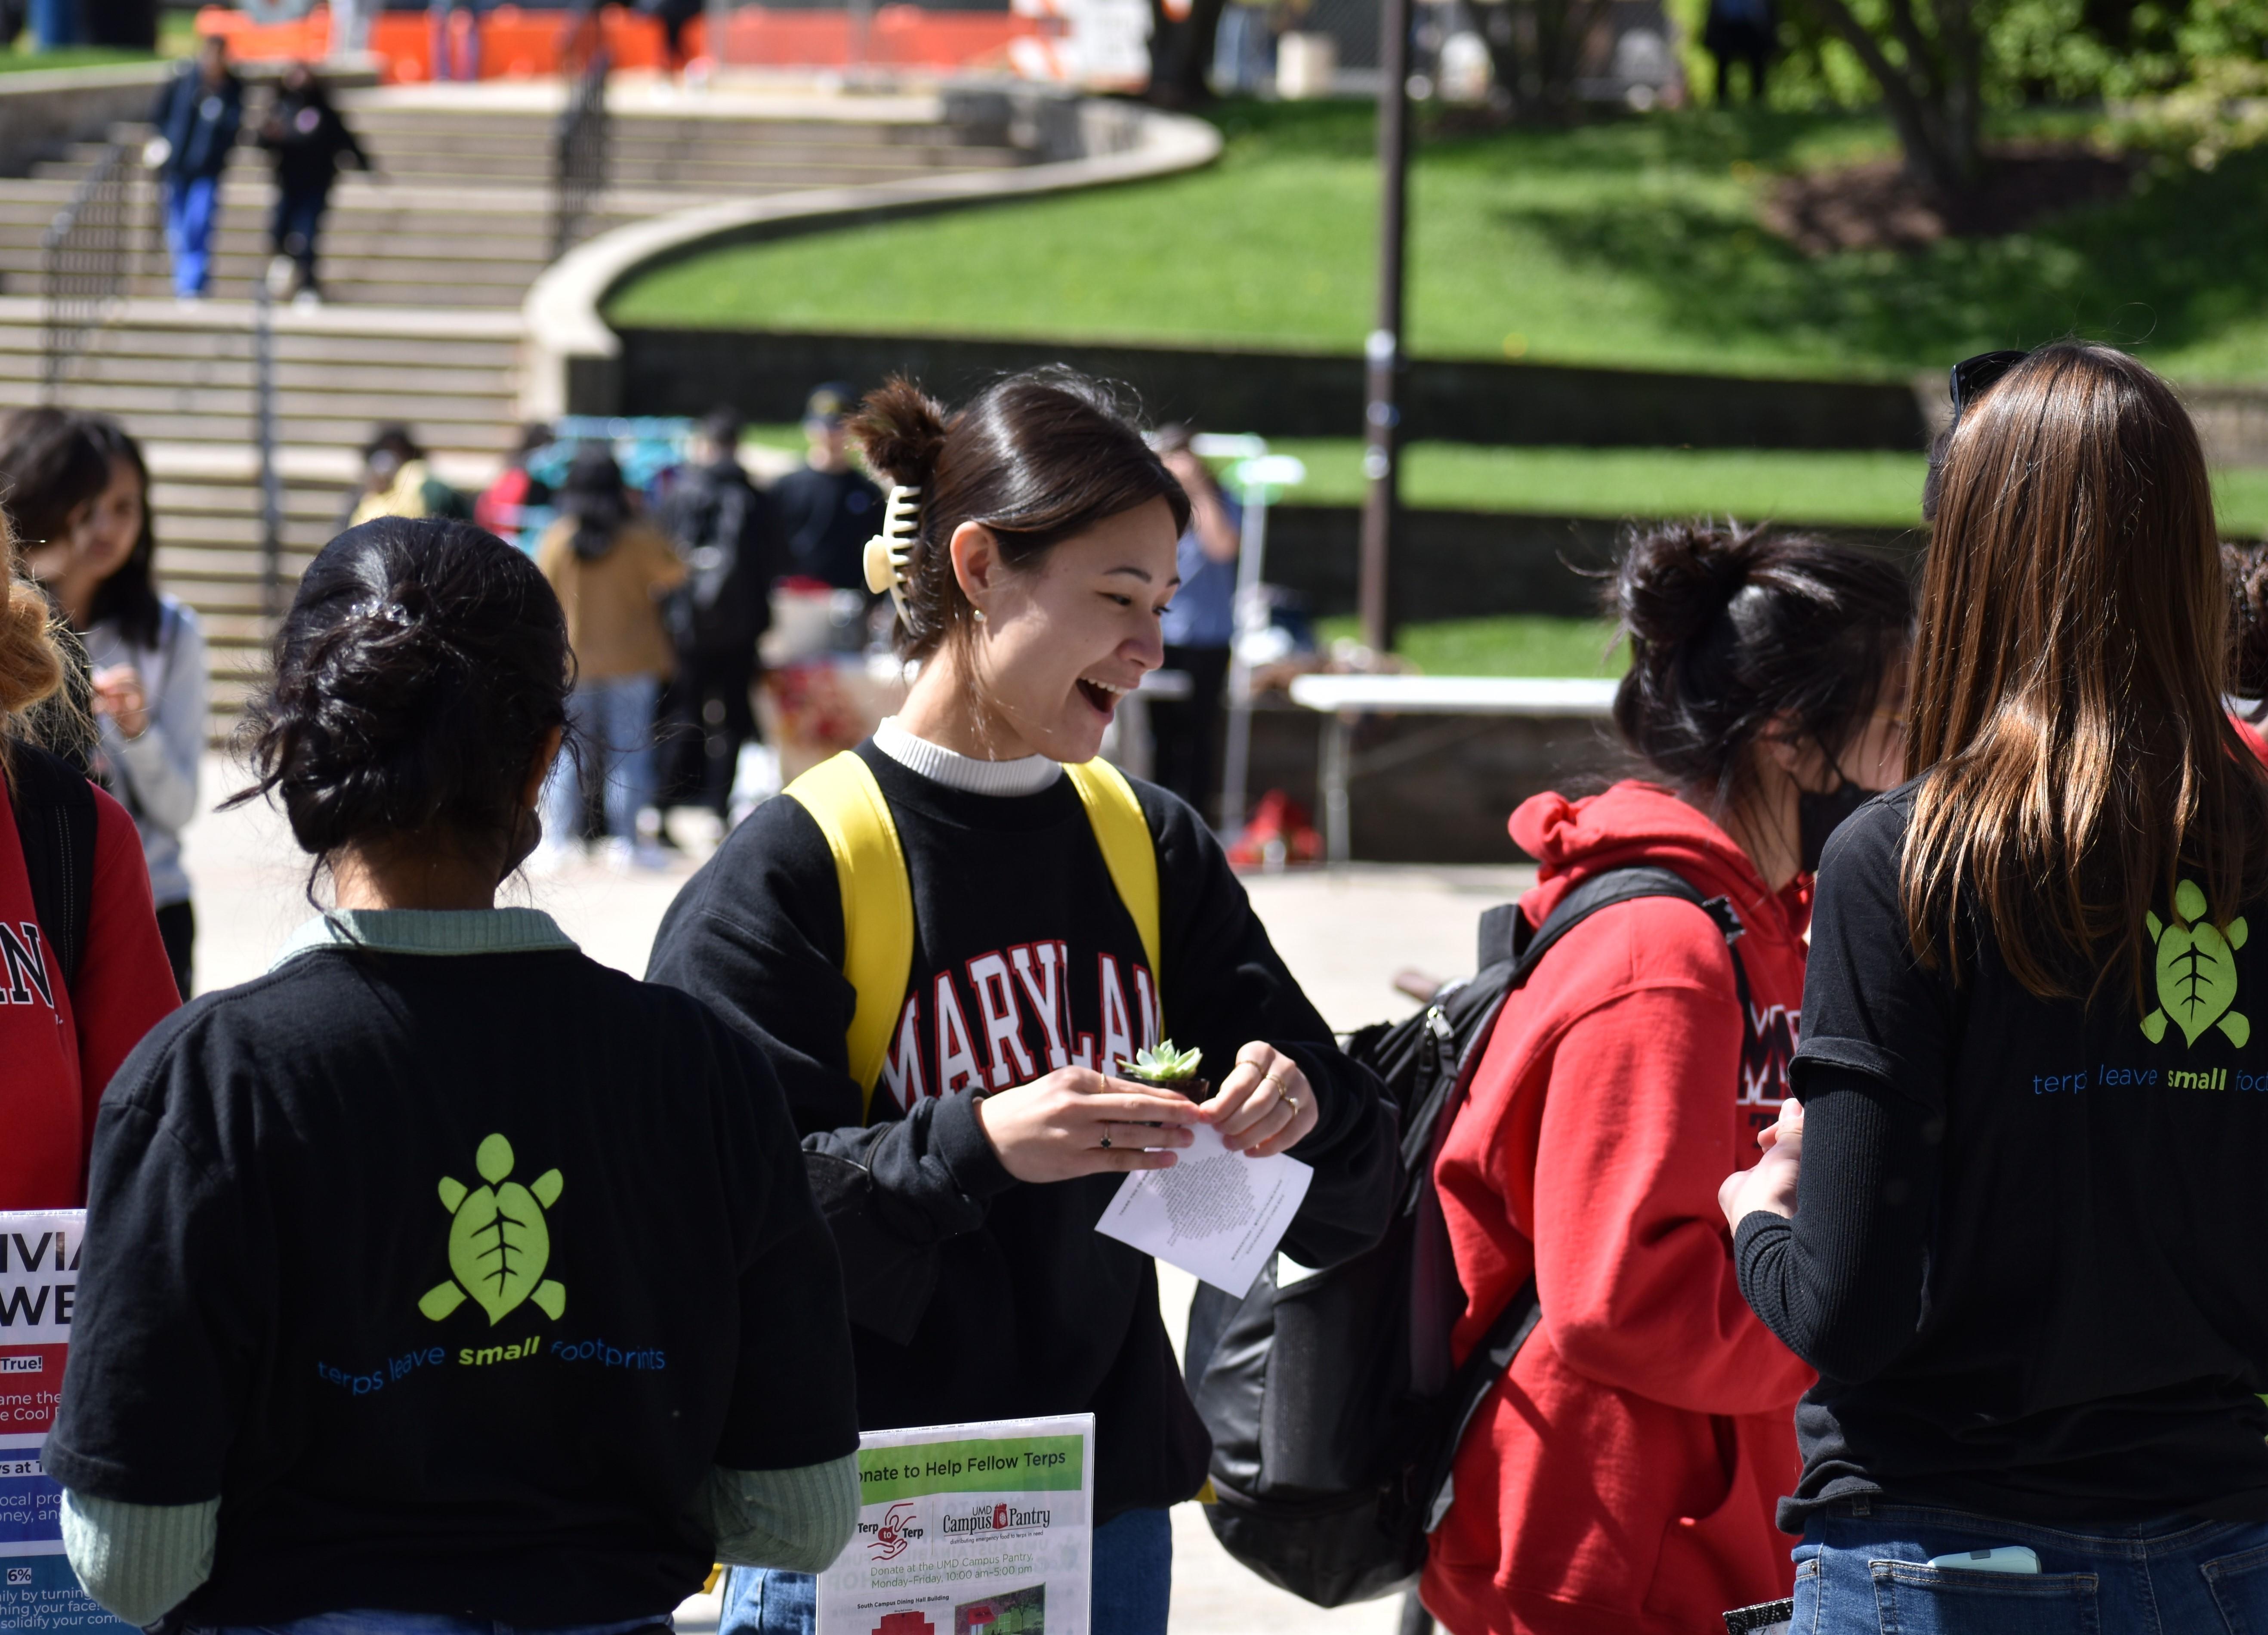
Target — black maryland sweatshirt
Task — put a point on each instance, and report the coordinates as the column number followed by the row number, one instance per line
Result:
column 973, row 1295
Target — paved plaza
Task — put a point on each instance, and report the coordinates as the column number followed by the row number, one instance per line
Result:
column 1344, row 933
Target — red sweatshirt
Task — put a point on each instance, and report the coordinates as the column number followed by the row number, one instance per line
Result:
column 1621, row 1481
column 58, row 1046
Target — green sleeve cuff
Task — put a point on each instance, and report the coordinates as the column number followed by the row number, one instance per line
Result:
column 798, row 1521
column 139, row 1561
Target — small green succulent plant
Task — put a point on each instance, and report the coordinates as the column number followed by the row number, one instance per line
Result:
column 1164, row 1064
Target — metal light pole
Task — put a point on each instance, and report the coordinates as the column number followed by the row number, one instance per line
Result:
column 1381, row 455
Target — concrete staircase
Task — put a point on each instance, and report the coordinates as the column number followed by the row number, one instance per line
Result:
column 425, row 270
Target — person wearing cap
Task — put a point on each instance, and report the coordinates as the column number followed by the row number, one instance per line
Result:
column 827, row 511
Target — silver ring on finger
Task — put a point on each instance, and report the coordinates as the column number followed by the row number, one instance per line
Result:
column 1291, row 1101
column 1105, row 1137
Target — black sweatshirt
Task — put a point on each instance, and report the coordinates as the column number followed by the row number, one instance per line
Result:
column 2027, row 1255
column 973, row 1296
column 455, row 1276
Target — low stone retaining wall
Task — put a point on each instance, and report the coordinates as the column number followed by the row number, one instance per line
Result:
column 767, row 373
column 574, row 362
column 1463, row 564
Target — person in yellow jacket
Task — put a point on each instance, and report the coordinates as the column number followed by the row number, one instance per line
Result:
column 610, row 567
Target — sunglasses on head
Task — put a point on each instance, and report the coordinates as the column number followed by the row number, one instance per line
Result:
column 1973, row 377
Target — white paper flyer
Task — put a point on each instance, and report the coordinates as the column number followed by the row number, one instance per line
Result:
column 969, row 1529
column 1216, row 1214
column 39, row 1284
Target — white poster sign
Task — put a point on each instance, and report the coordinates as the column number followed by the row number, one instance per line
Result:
column 969, row 1529
column 39, row 1285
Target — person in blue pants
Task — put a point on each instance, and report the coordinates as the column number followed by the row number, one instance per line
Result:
column 197, row 119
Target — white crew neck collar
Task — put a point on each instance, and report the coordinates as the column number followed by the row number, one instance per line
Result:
column 955, row 771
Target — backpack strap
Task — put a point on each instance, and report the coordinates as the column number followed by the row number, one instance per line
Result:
column 1128, row 852
column 878, row 901
column 55, row 811
column 1504, row 932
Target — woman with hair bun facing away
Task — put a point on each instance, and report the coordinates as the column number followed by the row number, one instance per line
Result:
column 1039, row 919
column 1620, row 1479
column 2032, row 1127
column 442, row 1280
column 83, row 971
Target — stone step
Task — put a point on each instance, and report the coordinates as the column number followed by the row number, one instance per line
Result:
column 168, row 373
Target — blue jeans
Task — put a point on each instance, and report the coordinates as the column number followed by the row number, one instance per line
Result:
column 1863, row 1575
column 191, row 209
column 373, row 1622
column 614, row 720
column 1133, row 1586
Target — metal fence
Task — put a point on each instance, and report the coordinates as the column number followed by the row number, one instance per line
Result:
column 86, row 263
column 581, row 145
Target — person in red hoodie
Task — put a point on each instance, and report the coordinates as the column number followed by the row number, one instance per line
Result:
column 2246, row 567
column 61, row 1033
column 1621, row 1479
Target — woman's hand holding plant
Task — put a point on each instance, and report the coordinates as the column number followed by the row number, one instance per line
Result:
column 1074, row 1122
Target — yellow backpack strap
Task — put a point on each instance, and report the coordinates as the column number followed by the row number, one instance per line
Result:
column 878, row 903
column 1128, row 850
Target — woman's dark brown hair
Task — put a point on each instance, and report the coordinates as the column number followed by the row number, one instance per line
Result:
column 1735, row 633
column 421, row 666
column 50, row 464
column 1037, row 458
column 2068, row 689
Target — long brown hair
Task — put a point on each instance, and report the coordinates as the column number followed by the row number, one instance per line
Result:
column 2067, row 683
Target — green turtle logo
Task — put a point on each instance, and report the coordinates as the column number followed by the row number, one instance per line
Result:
column 2196, row 974
column 498, row 1243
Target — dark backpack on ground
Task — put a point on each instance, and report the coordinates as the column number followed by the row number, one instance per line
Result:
column 55, row 819
column 1335, row 1413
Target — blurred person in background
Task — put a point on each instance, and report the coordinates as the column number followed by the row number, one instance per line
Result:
column 197, row 119
column 447, row 64
column 309, row 142
column 147, row 655
column 2246, row 568
column 1199, row 627
column 1741, row 31
column 722, row 528
column 827, row 511
column 502, row 506
column 87, row 975
column 610, row 568
column 1620, row 1479
column 51, row 475
column 397, row 481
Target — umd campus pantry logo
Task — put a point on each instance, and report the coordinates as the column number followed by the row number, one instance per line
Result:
column 997, row 1518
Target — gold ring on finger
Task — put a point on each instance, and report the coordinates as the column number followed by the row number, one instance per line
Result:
column 1105, row 1137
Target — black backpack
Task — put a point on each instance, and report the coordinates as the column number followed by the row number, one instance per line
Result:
column 1336, row 1415
column 722, row 527
column 55, row 819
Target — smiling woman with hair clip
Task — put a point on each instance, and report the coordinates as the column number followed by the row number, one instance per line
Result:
column 949, row 939
column 2033, row 1097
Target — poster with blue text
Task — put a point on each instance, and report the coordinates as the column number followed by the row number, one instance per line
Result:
column 38, row 1281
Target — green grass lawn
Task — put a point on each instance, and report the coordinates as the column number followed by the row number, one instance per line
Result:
column 1510, row 645
column 1630, row 242
column 177, row 36
column 1753, row 485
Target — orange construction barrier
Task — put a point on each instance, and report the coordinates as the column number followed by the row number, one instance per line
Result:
column 517, row 43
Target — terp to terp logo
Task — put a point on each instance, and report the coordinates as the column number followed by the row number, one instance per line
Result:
column 894, row 1533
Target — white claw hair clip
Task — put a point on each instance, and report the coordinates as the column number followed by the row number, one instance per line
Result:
column 890, row 553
